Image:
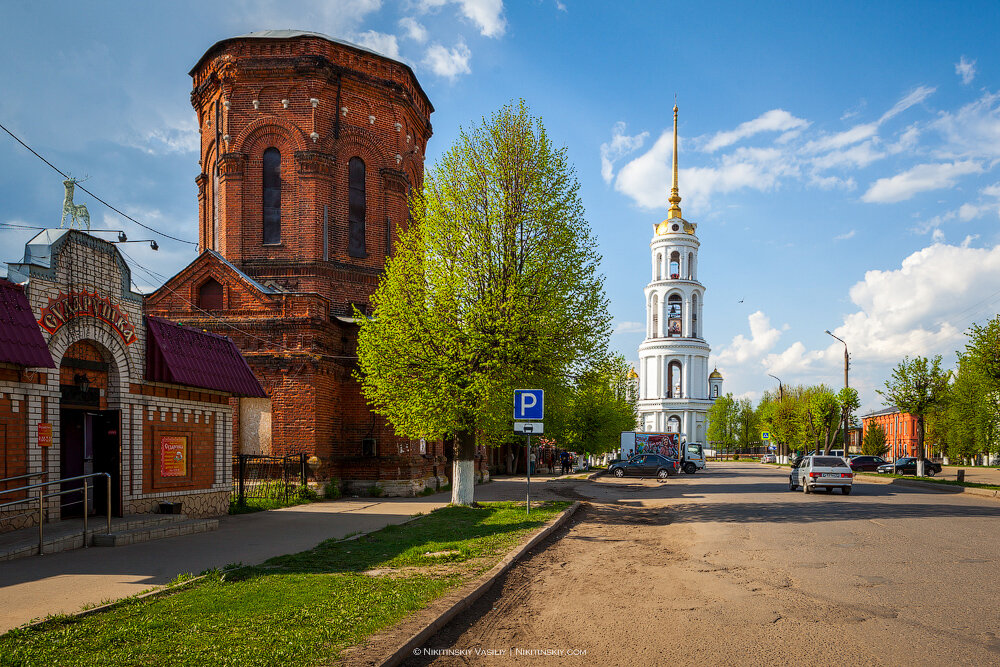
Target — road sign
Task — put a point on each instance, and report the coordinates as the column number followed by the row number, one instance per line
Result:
column 772, row 447
column 532, row 428
column 766, row 435
column 529, row 404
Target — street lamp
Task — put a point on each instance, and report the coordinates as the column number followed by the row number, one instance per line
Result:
column 781, row 397
column 847, row 362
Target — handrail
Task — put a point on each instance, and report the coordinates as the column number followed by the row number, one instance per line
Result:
column 11, row 479
column 42, row 495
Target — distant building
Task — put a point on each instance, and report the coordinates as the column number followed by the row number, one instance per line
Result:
column 675, row 388
column 900, row 431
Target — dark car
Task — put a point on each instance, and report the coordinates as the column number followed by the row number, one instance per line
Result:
column 646, row 465
column 908, row 466
column 866, row 463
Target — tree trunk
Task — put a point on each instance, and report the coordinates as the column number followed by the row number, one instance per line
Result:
column 464, row 471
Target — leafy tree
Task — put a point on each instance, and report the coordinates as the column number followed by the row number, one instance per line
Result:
column 874, row 441
column 602, row 406
column 722, row 416
column 917, row 386
column 783, row 414
column 747, row 424
column 493, row 286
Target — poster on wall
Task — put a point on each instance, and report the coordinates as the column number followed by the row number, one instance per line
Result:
column 44, row 434
column 173, row 455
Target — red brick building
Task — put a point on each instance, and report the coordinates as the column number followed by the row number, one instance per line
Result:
column 900, row 432
column 309, row 148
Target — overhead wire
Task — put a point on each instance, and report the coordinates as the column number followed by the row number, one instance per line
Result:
column 113, row 208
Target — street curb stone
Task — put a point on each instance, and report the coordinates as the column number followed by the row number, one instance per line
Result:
column 931, row 486
column 480, row 587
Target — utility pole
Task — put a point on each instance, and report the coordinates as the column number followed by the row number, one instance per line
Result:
column 847, row 363
column 781, row 397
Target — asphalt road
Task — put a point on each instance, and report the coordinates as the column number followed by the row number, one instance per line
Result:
column 729, row 567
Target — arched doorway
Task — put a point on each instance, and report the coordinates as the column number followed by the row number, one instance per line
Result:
column 90, row 438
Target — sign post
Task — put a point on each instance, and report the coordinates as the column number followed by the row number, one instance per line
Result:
column 529, row 404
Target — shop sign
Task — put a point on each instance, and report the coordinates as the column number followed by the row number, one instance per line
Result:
column 44, row 434
column 173, row 455
column 86, row 304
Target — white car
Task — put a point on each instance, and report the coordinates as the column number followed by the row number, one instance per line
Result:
column 822, row 472
column 769, row 458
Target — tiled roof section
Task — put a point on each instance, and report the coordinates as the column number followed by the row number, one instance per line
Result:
column 181, row 355
column 21, row 339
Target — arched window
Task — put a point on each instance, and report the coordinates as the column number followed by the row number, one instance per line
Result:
column 674, row 424
column 674, row 380
column 674, row 316
column 659, row 266
column 654, row 308
column 691, row 266
column 210, row 295
column 715, row 391
column 215, row 207
column 694, row 315
column 272, row 196
column 357, row 208
column 675, row 265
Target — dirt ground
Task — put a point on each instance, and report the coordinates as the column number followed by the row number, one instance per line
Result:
column 725, row 568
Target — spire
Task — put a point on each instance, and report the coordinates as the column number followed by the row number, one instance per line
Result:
column 675, row 197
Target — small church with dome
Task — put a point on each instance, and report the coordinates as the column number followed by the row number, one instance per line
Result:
column 675, row 386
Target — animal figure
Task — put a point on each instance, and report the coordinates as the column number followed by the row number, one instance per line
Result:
column 79, row 215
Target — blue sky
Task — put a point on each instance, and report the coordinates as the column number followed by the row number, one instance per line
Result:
column 842, row 162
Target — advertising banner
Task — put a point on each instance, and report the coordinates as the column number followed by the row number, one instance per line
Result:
column 658, row 443
column 173, row 455
column 44, row 434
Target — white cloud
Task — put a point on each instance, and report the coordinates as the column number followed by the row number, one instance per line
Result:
column 763, row 338
column 966, row 69
column 414, row 30
column 629, row 328
column 332, row 18
column 446, row 62
column 845, row 236
column 841, row 139
column 859, row 156
column 973, row 130
column 487, row 15
column 920, row 178
column 916, row 97
column 775, row 120
column 379, row 42
column 620, row 145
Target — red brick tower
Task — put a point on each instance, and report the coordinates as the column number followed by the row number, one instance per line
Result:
column 309, row 146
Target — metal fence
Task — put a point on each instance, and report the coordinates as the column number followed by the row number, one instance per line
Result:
column 268, row 477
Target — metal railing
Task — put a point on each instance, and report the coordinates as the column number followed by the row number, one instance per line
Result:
column 268, row 477
column 42, row 496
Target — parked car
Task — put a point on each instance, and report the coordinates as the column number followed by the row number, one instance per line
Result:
column 646, row 465
column 822, row 472
column 908, row 466
column 769, row 458
column 864, row 463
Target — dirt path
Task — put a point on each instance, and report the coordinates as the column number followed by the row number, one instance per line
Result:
column 701, row 571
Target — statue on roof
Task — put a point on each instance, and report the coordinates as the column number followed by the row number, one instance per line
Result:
column 79, row 216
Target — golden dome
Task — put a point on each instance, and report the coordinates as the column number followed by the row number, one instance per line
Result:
column 716, row 375
column 632, row 375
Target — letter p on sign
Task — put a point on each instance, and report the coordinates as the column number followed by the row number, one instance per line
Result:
column 529, row 404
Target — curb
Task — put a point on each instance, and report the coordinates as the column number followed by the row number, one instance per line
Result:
column 484, row 583
column 596, row 474
column 993, row 494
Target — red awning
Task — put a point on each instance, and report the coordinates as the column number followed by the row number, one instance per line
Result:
column 21, row 339
column 181, row 355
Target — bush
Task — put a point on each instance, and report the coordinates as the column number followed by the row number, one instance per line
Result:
column 375, row 491
column 331, row 490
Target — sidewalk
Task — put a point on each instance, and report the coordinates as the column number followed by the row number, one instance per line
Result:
column 65, row 582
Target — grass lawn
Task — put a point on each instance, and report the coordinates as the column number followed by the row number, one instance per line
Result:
column 298, row 609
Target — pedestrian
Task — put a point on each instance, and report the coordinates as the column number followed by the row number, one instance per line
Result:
column 532, row 469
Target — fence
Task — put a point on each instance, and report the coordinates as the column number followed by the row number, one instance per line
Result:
column 268, row 477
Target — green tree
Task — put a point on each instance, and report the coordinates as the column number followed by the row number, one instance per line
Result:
column 917, row 386
column 722, row 422
column 493, row 286
column 747, row 424
column 602, row 406
column 783, row 414
column 874, row 441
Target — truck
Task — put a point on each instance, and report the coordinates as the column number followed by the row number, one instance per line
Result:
column 690, row 455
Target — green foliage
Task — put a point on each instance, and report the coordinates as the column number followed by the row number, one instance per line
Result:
column 722, row 417
column 375, row 491
column 920, row 387
column 804, row 418
column 746, row 424
column 874, row 441
column 602, row 405
column 331, row 490
column 494, row 286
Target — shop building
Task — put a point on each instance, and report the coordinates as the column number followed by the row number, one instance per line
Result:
column 90, row 384
column 900, row 431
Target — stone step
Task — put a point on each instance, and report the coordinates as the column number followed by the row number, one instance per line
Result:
column 145, row 533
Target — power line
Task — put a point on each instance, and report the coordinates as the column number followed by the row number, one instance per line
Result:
column 67, row 177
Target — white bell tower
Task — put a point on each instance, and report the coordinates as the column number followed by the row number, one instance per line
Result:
column 674, row 391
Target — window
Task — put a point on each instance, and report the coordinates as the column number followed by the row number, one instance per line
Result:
column 694, row 315
column 690, row 271
column 675, row 265
column 674, row 316
column 674, row 424
column 210, row 295
column 272, row 196
column 674, row 380
column 659, row 266
column 655, row 317
column 357, row 208
column 715, row 391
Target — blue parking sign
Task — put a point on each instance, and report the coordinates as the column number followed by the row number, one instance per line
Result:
column 529, row 404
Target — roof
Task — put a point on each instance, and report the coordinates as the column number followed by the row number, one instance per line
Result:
column 244, row 276
column 21, row 339
column 885, row 411
column 715, row 375
column 292, row 34
column 182, row 355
